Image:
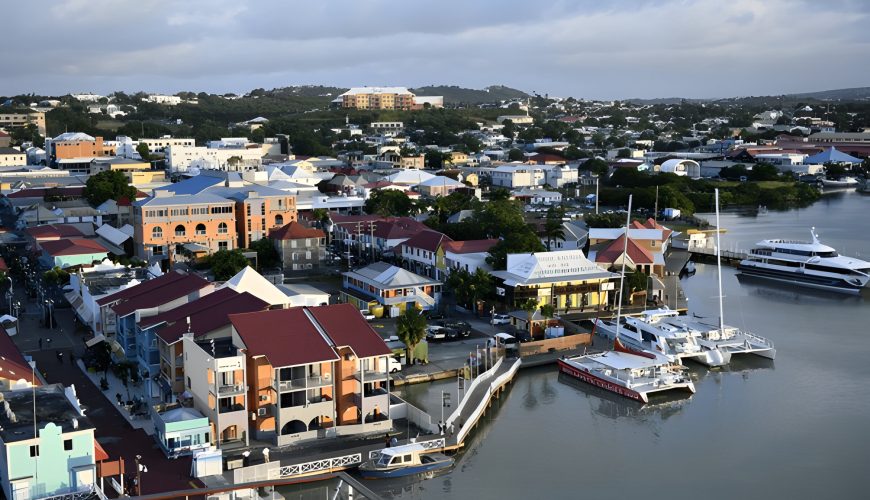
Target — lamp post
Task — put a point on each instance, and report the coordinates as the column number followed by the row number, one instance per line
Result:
column 48, row 304
column 140, row 468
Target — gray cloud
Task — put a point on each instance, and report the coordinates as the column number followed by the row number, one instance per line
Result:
column 587, row 48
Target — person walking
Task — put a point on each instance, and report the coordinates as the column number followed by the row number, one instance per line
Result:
column 40, row 343
column 59, row 356
column 386, row 440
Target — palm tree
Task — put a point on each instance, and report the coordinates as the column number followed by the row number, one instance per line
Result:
column 529, row 306
column 411, row 329
column 553, row 229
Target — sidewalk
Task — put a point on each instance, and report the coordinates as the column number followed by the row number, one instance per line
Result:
column 128, row 393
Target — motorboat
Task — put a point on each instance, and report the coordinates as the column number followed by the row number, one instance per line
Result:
column 649, row 334
column 404, row 460
column 627, row 374
column 806, row 263
column 842, row 182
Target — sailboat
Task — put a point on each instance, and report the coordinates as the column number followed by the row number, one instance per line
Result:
column 726, row 339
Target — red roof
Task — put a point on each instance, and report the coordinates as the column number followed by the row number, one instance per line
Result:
column 294, row 231
column 144, row 287
column 99, row 453
column 427, row 240
column 344, row 324
column 41, row 192
column 636, row 253
column 3, row 266
column 207, row 317
column 205, row 302
column 652, row 224
column 469, row 246
column 188, row 284
column 55, row 231
column 13, row 366
column 545, row 157
column 72, row 246
column 287, row 337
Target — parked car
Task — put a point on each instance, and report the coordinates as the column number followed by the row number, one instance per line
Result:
column 505, row 340
column 461, row 327
column 450, row 333
column 367, row 315
column 435, row 333
column 434, row 315
column 501, row 319
column 393, row 364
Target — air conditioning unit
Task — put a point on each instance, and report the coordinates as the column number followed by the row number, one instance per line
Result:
column 262, row 412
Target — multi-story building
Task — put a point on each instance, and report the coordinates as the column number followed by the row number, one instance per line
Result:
column 181, row 158
column 259, row 209
column 10, row 157
column 215, row 377
column 22, row 119
column 392, row 288
column 518, row 176
column 137, row 172
column 74, row 146
column 377, row 98
column 168, row 100
column 560, row 175
column 48, row 454
column 313, row 372
column 468, row 255
column 422, row 254
column 300, row 248
column 168, row 224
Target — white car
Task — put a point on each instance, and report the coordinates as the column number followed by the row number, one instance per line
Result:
column 393, row 365
column 500, row 319
column 435, row 333
column 367, row 315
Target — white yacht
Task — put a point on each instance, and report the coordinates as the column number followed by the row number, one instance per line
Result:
column 728, row 339
column 806, row 263
column 651, row 335
column 844, row 182
column 629, row 375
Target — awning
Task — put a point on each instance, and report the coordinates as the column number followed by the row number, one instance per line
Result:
column 96, row 340
column 196, row 248
column 78, row 304
column 116, row 348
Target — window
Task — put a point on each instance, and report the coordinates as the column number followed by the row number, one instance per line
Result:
column 249, row 224
column 222, row 228
column 222, row 210
column 157, row 250
column 157, row 233
column 188, row 382
column 248, row 209
column 199, row 211
column 34, row 450
column 200, row 229
column 223, row 245
column 67, row 444
column 279, row 220
column 263, row 208
column 180, row 230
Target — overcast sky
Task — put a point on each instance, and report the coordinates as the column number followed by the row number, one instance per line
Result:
column 582, row 48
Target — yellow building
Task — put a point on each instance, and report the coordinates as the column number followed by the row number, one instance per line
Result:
column 566, row 279
column 139, row 173
column 23, row 118
column 378, row 98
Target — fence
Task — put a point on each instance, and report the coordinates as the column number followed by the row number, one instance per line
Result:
column 556, row 344
column 493, row 386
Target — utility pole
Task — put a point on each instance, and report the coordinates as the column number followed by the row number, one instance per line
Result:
column 596, row 195
column 372, row 238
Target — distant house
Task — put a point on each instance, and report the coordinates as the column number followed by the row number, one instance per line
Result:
column 300, row 248
column 439, row 186
column 72, row 252
column 468, row 255
column 391, row 287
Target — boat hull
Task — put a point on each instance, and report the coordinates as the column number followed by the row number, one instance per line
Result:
column 804, row 280
column 367, row 473
column 607, row 385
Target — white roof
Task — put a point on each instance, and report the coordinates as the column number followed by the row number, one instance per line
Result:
column 410, row 176
column 73, row 136
column 112, row 235
column 181, row 415
column 526, row 268
column 389, row 276
column 377, row 90
column 441, row 180
column 249, row 280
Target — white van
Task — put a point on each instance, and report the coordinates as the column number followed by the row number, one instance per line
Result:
column 505, row 340
column 393, row 365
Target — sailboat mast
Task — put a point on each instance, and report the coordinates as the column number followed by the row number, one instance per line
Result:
column 719, row 265
column 622, row 274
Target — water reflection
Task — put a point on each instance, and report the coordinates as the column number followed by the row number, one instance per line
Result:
column 786, row 293
column 614, row 406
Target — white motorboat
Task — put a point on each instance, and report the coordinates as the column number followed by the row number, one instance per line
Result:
column 649, row 334
column 806, row 263
column 626, row 374
column 404, row 460
column 842, row 182
column 729, row 339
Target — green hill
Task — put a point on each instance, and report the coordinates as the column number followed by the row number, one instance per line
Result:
column 455, row 95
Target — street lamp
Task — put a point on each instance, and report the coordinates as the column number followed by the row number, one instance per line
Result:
column 140, row 468
column 49, row 303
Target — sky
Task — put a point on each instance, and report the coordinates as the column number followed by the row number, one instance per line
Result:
column 594, row 49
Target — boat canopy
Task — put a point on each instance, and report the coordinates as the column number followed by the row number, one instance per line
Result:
column 403, row 449
column 625, row 361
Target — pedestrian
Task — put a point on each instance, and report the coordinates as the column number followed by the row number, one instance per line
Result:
column 59, row 356
column 451, row 428
column 441, row 428
column 387, row 440
column 40, row 343
column 72, row 358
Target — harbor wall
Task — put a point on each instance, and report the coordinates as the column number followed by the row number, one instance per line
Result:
column 557, row 344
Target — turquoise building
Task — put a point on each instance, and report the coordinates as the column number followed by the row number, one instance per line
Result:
column 60, row 458
column 181, row 431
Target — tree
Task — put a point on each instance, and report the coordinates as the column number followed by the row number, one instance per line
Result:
column 525, row 241
column 516, row 155
column 389, row 203
column 553, row 229
column 108, row 185
column 529, row 306
column 56, row 276
column 411, row 329
column 637, row 281
column 763, row 172
column 548, row 311
column 267, row 256
column 508, row 129
column 227, row 263
column 143, row 151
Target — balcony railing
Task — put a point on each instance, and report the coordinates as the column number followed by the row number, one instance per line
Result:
column 231, row 408
column 370, row 375
column 305, row 383
column 231, row 389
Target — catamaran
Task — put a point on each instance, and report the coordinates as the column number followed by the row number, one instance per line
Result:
column 627, row 374
column 806, row 263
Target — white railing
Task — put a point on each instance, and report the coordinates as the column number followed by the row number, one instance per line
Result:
column 432, row 444
column 483, row 377
column 493, row 386
column 327, row 464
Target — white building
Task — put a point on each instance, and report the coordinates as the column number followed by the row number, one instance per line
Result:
column 518, row 176
column 682, row 167
column 183, row 158
column 169, row 100
column 559, row 175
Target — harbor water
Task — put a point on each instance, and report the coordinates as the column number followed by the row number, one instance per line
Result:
column 793, row 428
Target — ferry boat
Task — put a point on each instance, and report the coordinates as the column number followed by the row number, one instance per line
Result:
column 650, row 335
column 404, row 460
column 627, row 374
column 806, row 263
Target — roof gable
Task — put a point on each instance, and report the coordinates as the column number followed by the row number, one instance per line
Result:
column 427, row 240
column 286, row 337
column 346, row 327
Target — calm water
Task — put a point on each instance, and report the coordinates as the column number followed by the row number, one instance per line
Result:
column 798, row 427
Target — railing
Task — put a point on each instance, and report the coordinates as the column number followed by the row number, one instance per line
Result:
column 493, row 386
column 305, row 383
column 230, row 389
column 483, row 377
column 370, row 375
column 327, row 464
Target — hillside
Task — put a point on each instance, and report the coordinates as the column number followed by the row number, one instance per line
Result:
column 454, row 94
column 853, row 94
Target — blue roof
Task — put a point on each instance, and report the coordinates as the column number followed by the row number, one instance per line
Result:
column 831, row 155
column 194, row 185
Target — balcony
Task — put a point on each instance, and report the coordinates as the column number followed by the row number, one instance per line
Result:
column 370, row 375
column 231, row 408
column 305, row 383
column 230, row 389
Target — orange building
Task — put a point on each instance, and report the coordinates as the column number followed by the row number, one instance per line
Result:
column 73, row 145
column 313, row 372
column 258, row 213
